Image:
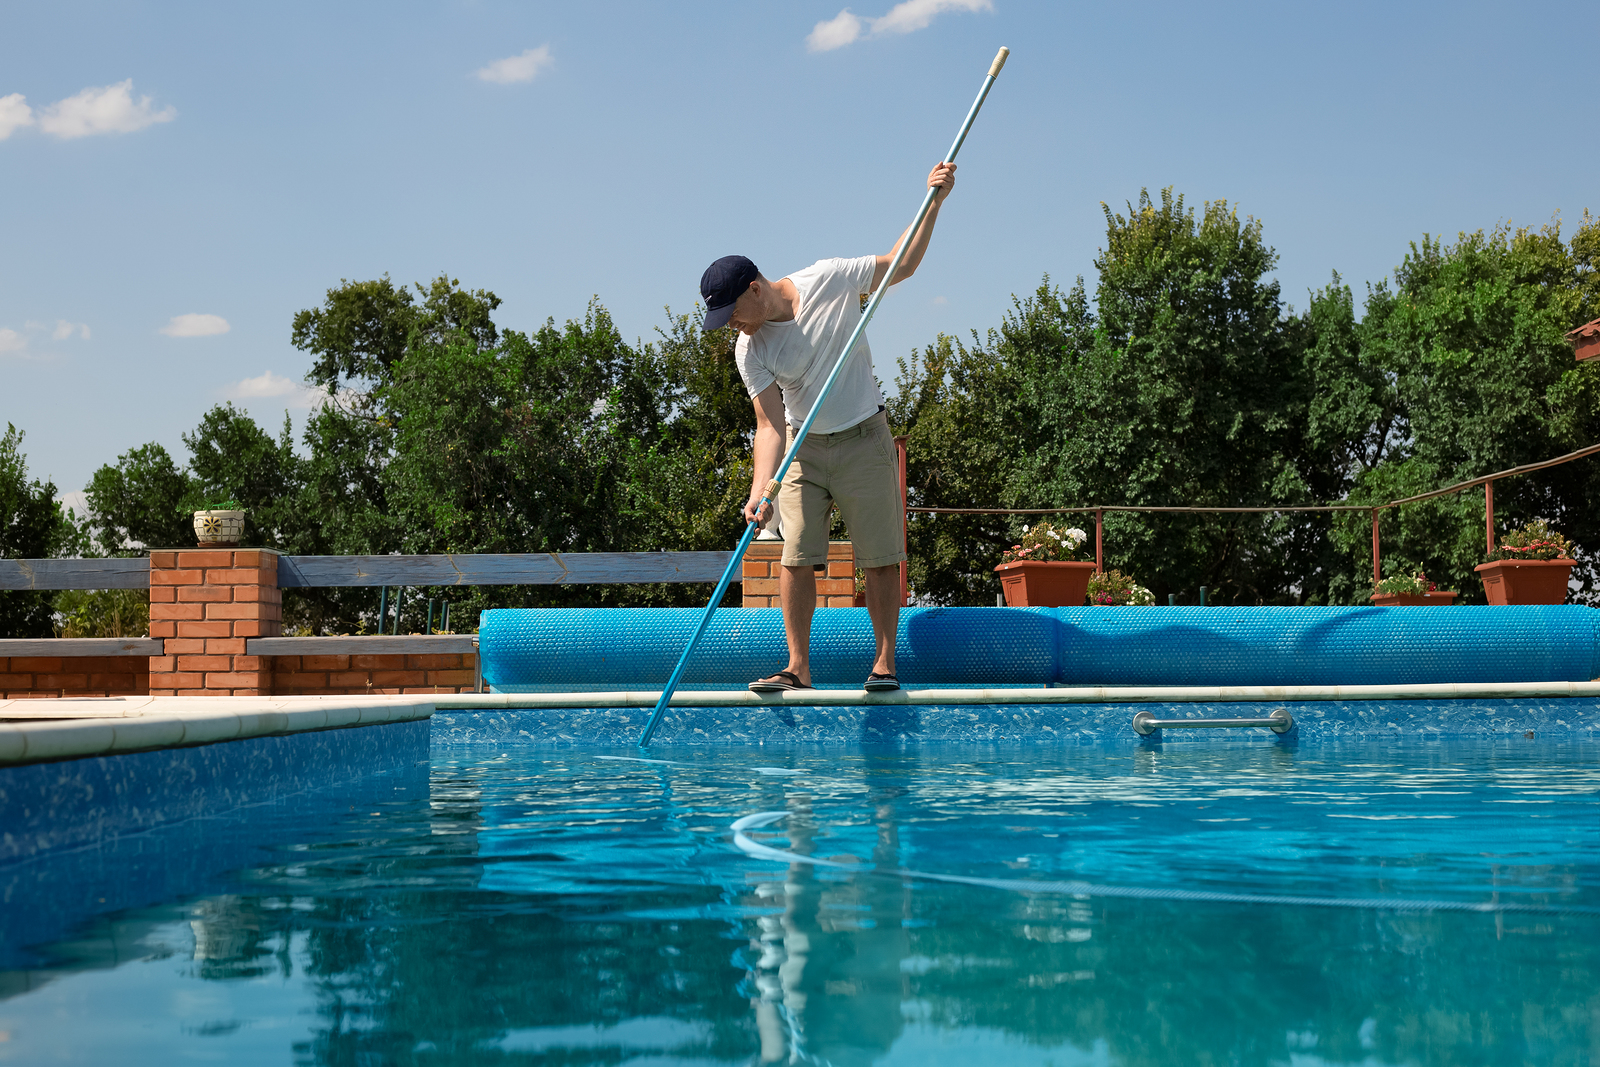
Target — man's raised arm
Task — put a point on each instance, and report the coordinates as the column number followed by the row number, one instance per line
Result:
column 942, row 178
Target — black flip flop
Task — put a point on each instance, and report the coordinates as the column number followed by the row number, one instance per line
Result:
column 881, row 683
column 780, row 682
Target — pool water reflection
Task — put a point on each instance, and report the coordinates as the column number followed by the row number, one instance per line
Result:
column 528, row 905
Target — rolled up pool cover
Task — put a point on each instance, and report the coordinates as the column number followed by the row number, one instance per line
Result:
column 576, row 649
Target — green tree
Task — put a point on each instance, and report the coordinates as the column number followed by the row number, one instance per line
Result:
column 1472, row 337
column 1188, row 387
column 32, row 526
column 568, row 439
column 362, row 331
column 141, row 501
column 958, row 407
column 364, row 328
column 231, row 458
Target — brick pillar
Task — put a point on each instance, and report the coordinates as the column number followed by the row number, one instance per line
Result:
column 206, row 603
column 836, row 587
column 760, row 574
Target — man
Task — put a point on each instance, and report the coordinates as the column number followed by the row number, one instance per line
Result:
column 791, row 334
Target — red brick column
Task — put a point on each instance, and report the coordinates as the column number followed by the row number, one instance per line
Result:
column 836, row 588
column 206, row 603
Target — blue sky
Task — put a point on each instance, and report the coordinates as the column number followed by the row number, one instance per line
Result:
column 178, row 179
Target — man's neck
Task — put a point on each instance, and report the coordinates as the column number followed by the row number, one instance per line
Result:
column 785, row 303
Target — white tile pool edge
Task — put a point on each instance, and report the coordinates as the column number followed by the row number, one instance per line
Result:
column 104, row 727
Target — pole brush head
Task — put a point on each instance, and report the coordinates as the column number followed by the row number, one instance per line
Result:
column 999, row 61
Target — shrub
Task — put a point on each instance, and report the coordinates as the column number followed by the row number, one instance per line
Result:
column 102, row 613
column 1043, row 543
column 1406, row 584
column 1535, row 540
column 1115, row 589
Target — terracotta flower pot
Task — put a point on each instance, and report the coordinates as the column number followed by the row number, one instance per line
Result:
column 1526, row 581
column 218, row 529
column 1045, row 585
column 1412, row 600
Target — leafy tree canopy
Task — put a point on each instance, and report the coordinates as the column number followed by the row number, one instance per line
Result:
column 32, row 526
column 1183, row 380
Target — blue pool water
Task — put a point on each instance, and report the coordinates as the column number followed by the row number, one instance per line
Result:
column 529, row 905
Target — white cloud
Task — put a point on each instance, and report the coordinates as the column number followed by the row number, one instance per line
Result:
column 20, row 342
column 905, row 17
column 514, row 69
column 77, row 500
column 269, row 386
column 913, row 15
column 14, row 114
column 108, row 109
column 836, row 32
column 196, row 326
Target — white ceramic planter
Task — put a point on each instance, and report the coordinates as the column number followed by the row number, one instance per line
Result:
column 221, row 528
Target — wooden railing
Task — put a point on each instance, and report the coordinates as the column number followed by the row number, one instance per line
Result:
column 300, row 572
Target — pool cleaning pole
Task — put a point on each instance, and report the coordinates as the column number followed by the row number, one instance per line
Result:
column 770, row 493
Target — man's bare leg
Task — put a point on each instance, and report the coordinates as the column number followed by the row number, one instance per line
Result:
column 797, row 591
column 883, row 605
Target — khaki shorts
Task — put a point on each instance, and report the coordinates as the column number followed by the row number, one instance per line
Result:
column 856, row 469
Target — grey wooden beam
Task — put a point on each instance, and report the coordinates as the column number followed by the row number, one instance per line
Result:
column 81, row 646
column 541, row 568
column 75, row 573
column 415, row 645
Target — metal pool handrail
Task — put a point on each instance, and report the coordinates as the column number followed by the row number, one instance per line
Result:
column 1145, row 724
column 1099, row 510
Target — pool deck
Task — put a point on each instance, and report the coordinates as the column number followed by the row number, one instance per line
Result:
column 40, row 730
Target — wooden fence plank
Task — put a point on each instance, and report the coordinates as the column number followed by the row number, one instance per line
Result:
column 81, row 646
column 414, row 645
column 541, row 568
column 75, row 573
column 545, row 568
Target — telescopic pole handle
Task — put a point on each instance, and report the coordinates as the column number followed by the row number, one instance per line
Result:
column 999, row 61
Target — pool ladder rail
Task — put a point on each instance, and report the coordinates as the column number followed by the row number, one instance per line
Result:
column 1145, row 724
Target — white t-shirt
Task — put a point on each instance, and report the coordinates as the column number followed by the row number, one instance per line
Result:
column 800, row 353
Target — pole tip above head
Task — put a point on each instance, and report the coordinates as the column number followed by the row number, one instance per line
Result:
column 999, row 60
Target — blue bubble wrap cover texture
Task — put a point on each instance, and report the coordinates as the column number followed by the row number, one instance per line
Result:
column 631, row 648
column 636, row 648
column 1327, row 646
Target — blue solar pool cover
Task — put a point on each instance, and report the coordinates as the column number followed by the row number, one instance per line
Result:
column 630, row 648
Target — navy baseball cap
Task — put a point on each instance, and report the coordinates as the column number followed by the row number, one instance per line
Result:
column 723, row 283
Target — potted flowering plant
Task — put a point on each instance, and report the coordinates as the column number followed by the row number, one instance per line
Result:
column 1529, row 565
column 220, row 525
column 1042, row 572
column 1402, row 590
column 1114, row 589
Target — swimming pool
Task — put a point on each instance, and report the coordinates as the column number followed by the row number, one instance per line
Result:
column 492, row 903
